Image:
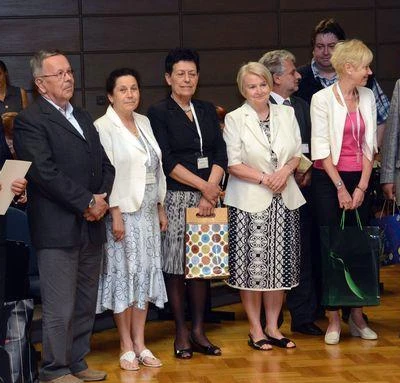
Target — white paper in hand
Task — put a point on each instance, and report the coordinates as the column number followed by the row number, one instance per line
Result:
column 12, row 169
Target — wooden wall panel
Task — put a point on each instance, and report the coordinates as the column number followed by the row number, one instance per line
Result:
column 325, row 4
column 149, row 65
column 129, row 6
column 221, row 67
column 130, row 33
column 297, row 26
column 228, row 6
column 228, row 97
column 38, row 8
column 30, row 35
column 230, row 31
column 387, row 3
column 389, row 61
column 101, row 35
column 389, row 25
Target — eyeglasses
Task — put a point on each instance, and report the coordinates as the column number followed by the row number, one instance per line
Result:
column 60, row 74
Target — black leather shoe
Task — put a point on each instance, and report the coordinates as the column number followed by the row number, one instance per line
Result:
column 307, row 329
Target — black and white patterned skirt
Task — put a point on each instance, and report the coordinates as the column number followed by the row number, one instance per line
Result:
column 173, row 242
column 264, row 248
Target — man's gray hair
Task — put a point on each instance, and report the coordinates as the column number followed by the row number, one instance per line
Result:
column 274, row 60
column 38, row 58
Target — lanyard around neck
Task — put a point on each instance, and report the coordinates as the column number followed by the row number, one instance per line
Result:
column 358, row 124
column 197, row 127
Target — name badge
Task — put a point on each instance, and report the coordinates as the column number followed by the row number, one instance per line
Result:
column 150, row 178
column 305, row 149
column 202, row 163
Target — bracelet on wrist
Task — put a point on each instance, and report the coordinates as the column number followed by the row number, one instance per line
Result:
column 363, row 190
column 262, row 178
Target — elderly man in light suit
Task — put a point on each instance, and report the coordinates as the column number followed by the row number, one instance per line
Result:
column 390, row 164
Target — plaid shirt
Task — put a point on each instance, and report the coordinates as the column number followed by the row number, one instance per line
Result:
column 382, row 102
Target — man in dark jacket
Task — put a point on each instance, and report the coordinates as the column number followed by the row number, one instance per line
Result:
column 69, row 180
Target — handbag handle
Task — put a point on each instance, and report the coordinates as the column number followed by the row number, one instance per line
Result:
column 343, row 219
column 394, row 206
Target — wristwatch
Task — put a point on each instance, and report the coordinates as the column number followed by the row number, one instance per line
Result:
column 92, row 202
column 339, row 184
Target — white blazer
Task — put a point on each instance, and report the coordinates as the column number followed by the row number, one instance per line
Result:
column 328, row 117
column 128, row 157
column 247, row 144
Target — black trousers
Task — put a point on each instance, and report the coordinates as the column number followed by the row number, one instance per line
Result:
column 5, row 371
column 326, row 204
column 301, row 301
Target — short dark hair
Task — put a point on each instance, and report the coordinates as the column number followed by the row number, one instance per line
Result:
column 3, row 67
column 327, row 26
column 181, row 54
column 115, row 74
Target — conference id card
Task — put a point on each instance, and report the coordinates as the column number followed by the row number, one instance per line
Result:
column 305, row 149
column 202, row 163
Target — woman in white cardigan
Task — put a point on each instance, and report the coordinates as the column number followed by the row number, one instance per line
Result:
column 343, row 143
column 131, row 275
column 264, row 148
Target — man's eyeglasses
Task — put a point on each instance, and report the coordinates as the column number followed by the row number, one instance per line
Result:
column 60, row 74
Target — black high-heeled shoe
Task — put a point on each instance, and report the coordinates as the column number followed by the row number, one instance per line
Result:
column 184, row 353
column 211, row 349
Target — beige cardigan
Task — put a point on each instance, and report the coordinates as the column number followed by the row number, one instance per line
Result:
column 128, row 157
column 327, row 124
column 246, row 143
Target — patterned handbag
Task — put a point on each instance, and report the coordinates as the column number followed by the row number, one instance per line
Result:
column 206, row 242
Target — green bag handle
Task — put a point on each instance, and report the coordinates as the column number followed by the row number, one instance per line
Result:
column 343, row 219
column 349, row 280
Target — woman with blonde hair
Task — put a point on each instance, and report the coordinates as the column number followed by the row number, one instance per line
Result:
column 343, row 143
column 264, row 148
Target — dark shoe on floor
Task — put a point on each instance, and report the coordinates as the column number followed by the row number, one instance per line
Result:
column 282, row 343
column 90, row 375
column 206, row 350
column 184, row 353
column 258, row 345
column 307, row 329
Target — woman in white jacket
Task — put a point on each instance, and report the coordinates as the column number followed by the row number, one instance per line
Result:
column 343, row 143
column 131, row 275
column 264, row 148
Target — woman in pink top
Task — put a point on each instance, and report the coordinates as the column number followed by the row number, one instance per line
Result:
column 343, row 143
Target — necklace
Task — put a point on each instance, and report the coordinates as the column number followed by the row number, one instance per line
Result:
column 184, row 108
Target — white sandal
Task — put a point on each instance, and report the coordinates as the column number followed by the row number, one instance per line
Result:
column 146, row 353
column 130, row 357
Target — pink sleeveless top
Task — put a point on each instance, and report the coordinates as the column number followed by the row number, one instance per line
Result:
column 349, row 161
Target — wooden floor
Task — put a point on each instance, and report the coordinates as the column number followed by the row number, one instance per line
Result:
column 353, row 360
